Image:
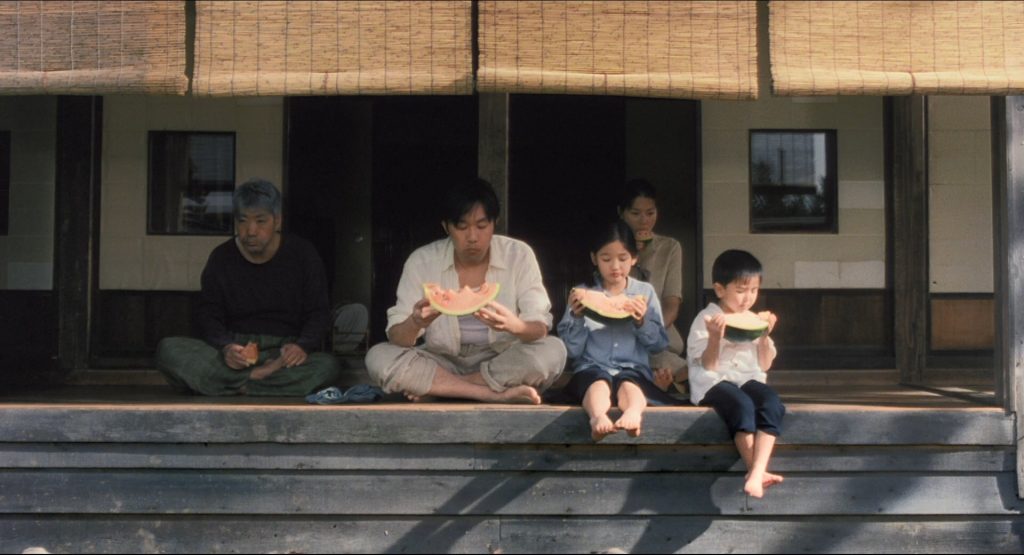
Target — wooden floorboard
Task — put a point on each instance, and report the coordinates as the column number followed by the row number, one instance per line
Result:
column 651, row 534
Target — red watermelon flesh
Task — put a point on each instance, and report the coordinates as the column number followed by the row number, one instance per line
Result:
column 603, row 304
column 461, row 302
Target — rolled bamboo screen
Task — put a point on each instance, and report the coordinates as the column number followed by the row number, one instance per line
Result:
column 318, row 48
column 697, row 49
column 92, row 47
column 897, row 48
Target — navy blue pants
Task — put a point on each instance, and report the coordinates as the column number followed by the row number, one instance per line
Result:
column 751, row 408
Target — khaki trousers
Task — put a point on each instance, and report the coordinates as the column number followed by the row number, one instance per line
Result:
column 411, row 369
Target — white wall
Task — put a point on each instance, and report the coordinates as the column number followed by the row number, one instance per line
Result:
column 960, row 194
column 129, row 259
column 26, row 253
column 853, row 258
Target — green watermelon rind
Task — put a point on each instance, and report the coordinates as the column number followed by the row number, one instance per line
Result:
column 448, row 312
column 743, row 334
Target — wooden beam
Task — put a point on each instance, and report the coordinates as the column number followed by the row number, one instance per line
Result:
column 909, row 160
column 492, row 157
column 77, row 222
column 1008, row 227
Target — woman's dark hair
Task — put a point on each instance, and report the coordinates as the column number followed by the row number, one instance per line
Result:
column 460, row 199
column 634, row 188
column 616, row 231
column 734, row 265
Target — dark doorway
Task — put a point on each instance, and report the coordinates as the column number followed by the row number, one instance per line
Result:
column 571, row 155
column 364, row 174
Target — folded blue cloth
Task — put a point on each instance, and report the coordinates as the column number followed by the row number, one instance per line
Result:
column 356, row 394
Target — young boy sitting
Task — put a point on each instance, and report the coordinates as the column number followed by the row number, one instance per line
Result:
column 730, row 376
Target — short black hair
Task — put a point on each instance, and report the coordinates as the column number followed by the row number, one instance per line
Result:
column 615, row 231
column 633, row 189
column 464, row 195
column 734, row 265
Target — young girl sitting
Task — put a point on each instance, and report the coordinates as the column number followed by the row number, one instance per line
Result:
column 730, row 376
column 610, row 356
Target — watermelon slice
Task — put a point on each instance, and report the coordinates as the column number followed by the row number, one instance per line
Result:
column 602, row 304
column 462, row 302
column 741, row 327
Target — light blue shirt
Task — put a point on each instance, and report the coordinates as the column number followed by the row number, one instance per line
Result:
column 616, row 344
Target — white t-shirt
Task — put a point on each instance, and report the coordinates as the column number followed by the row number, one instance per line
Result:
column 737, row 362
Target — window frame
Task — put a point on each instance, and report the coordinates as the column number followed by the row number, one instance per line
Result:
column 830, row 193
column 152, row 134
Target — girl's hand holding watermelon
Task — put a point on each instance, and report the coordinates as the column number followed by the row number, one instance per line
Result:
column 637, row 307
column 576, row 302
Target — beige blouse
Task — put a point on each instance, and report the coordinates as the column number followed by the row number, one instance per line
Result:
column 662, row 259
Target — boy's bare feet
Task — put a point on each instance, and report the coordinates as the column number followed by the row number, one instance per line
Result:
column 771, row 479
column 601, row 426
column 630, row 421
column 754, row 486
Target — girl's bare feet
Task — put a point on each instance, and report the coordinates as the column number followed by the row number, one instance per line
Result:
column 630, row 421
column 601, row 426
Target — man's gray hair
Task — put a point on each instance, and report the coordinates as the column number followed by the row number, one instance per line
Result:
column 259, row 194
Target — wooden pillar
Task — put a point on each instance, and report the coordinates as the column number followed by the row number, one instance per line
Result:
column 909, row 158
column 492, row 149
column 1008, row 229
column 77, row 222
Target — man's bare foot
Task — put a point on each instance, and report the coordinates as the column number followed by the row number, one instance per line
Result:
column 520, row 395
column 630, row 421
column 420, row 398
column 601, row 426
column 268, row 368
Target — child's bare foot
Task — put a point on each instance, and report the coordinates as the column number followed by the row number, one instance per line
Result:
column 630, row 421
column 601, row 426
column 520, row 395
column 754, row 486
column 771, row 479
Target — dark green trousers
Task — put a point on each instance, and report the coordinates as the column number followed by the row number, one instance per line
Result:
column 193, row 365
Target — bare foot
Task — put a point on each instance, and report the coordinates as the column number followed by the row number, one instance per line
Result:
column 268, row 368
column 600, row 427
column 663, row 378
column 520, row 395
column 771, row 479
column 630, row 421
column 755, row 485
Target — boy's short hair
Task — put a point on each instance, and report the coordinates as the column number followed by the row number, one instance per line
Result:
column 733, row 265
column 460, row 199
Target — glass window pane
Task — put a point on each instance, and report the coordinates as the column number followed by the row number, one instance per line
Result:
column 793, row 181
column 191, row 180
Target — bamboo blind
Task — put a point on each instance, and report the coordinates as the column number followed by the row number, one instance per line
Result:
column 352, row 47
column 92, row 47
column 700, row 49
column 897, row 47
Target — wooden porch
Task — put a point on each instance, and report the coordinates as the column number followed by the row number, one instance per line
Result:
column 870, row 467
